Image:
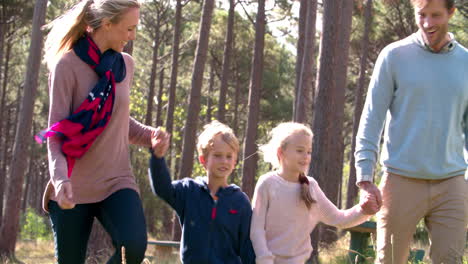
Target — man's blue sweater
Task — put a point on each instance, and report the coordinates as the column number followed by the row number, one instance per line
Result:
column 423, row 96
column 212, row 231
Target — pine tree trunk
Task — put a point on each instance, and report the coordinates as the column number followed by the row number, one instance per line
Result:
column 328, row 146
column 4, row 116
column 303, row 113
column 250, row 147
column 300, row 50
column 226, row 63
column 159, row 107
column 193, row 110
column 174, row 69
column 358, row 104
column 100, row 246
column 154, row 66
column 10, row 225
column 209, row 104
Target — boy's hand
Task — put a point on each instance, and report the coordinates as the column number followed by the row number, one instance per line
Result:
column 369, row 204
column 160, row 142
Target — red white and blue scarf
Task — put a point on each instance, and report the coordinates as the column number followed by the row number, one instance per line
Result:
column 80, row 129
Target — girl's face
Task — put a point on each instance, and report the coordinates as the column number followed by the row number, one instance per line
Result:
column 120, row 33
column 296, row 155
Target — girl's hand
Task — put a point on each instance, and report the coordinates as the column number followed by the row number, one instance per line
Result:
column 369, row 204
column 64, row 195
column 160, row 142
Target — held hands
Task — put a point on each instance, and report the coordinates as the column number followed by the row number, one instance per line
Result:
column 64, row 195
column 370, row 198
column 160, row 142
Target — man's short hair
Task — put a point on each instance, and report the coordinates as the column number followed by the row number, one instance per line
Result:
column 449, row 4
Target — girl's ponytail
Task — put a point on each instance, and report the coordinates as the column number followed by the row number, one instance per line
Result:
column 306, row 196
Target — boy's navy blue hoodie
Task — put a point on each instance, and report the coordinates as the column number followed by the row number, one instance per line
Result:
column 212, row 231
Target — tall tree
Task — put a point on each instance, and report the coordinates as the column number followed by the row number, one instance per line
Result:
column 154, row 21
column 159, row 96
column 249, row 167
column 303, row 108
column 209, row 103
column 300, row 49
column 193, row 110
column 4, row 128
column 175, row 67
column 228, row 43
column 10, row 224
column 176, row 231
column 358, row 103
column 154, row 66
column 328, row 146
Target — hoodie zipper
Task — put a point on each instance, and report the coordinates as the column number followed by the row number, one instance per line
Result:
column 213, row 217
column 214, row 209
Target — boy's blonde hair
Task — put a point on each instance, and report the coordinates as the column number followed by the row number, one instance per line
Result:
column 279, row 139
column 210, row 131
column 86, row 14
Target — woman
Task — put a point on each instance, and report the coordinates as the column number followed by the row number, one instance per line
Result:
column 90, row 130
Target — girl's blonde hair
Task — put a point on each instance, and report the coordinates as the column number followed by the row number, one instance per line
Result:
column 279, row 139
column 210, row 131
column 87, row 15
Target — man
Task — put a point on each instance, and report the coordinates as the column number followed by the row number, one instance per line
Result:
column 420, row 87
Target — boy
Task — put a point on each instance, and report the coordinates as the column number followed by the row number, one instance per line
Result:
column 215, row 217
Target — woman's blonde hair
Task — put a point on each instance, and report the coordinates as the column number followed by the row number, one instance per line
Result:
column 210, row 131
column 279, row 139
column 85, row 15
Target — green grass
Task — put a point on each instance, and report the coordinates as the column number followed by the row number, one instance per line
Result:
column 42, row 252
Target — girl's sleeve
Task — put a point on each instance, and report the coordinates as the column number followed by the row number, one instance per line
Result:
column 257, row 229
column 61, row 85
column 139, row 134
column 331, row 215
column 246, row 250
column 173, row 192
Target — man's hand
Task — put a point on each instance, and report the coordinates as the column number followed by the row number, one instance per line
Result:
column 65, row 195
column 370, row 198
column 160, row 142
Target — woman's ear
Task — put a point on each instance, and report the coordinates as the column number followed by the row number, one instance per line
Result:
column 105, row 23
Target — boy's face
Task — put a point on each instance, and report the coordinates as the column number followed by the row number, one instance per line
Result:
column 221, row 159
column 432, row 18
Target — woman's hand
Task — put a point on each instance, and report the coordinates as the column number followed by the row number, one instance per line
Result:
column 160, row 142
column 64, row 195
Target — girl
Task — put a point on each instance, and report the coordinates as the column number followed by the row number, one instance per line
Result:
column 287, row 204
column 90, row 129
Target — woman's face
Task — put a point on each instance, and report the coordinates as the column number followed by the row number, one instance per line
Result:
column 120, row 33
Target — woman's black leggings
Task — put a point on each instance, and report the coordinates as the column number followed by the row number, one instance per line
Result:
column 121, row 214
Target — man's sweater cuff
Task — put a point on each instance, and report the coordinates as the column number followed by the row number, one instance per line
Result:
column 362, row 178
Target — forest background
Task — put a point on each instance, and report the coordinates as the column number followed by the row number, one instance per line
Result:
column 248, row 63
